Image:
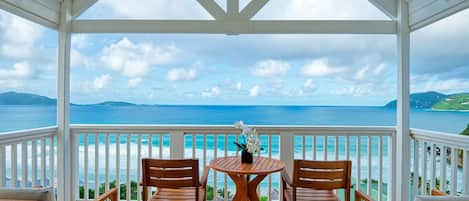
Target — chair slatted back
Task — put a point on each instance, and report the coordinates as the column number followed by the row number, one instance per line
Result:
column 323, row 175
column 171, row 174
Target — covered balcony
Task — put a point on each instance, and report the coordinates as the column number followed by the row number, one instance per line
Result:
column 389, row 162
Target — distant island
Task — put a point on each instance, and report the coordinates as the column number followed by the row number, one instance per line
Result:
column 437, row 101
column 16, row 98
column 428, row 100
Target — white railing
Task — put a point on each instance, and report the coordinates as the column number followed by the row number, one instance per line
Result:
column 105, row 164
column 115, row 158
column 27, row 158
column 370, row 149
column 439, row 161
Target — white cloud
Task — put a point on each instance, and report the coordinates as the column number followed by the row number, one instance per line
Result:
column 254, row 91
column 98, row 83
column 330, row 9
column 424, row 83
column 19, row 37
column 353, row 91
column 181, row 74
column 101, row 82
column 276, row 84
column 230, row 87
column 367, row 73
column 77, row 59
column 80, row 41
column 270, row 68
column 135, row 59
column 134, row 82
column 308, row 86
column 151, row 9
column 320, row 68
column 239, row 86
column 11, row 84
column 16, row 77
column 19, row 71
column 211, row 93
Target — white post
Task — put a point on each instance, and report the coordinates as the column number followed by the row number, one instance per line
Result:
column 287, row 152
column 401, row 183
column 465, row 172
column 176, row 149
column 65, row 177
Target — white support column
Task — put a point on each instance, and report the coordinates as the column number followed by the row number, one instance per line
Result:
column 65, row 170
column 287, row 152
column 176, row 145
column 401, row 184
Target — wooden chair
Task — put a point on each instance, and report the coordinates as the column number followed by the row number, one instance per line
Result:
column 111, row 195
column 316, row 180
column 360, row 196
column 436, row 192
column 174, row 180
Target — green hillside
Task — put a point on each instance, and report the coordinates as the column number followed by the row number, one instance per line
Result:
column 421, row 100
column 466, row 131
column 453, row 102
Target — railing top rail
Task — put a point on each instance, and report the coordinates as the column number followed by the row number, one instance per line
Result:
column 448, row 139
column 25, row 135
column 228, row 129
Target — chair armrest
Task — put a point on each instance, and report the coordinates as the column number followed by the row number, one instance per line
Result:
column 360, row 196
column 436, row 192
column 203, row 180
column 286, row 178
column 111, row 195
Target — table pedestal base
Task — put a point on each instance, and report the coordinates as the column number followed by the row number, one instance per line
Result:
column 246, row 189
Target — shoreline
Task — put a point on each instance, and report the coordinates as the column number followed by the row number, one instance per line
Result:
column 447, row 110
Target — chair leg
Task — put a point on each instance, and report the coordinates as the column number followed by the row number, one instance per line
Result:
column 347, row 194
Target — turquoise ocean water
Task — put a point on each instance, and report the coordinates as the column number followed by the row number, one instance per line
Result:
column 23, row 117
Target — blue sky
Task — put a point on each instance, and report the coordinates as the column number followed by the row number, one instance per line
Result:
column 243, row 69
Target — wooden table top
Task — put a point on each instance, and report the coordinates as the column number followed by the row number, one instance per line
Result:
column 260, row 165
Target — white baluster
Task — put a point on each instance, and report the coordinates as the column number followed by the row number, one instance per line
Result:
column 369, row 166
column 2, row 165
column 24, row 164
column 454, row 171
column 86, row 193
column 443, row 162
column 96, row 165
column 416, row 169
column 127, row 169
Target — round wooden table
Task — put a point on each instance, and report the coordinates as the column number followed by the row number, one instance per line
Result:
column 246, row 188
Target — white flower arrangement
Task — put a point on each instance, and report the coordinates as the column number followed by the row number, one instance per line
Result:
column 250, row 138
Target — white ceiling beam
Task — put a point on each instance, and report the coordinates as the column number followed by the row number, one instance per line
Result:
column 253, row 8
column 38, row 12
column 237, row 27
column 80, row 6
column 424, row 12
column 213, row 8
column 388, row 7
column 232, row 8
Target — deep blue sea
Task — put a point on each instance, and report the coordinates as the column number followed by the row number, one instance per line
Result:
column 23, row 117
